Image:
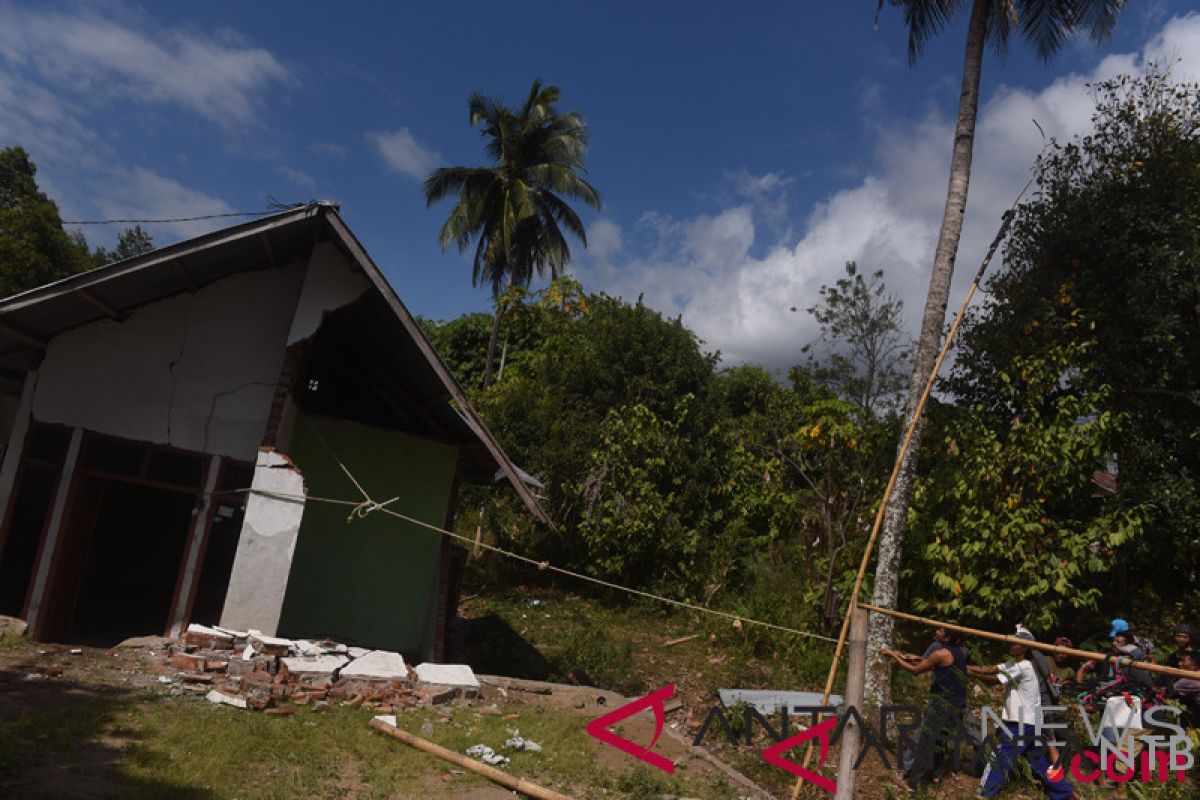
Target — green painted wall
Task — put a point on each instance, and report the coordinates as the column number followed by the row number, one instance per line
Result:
column 369, row 582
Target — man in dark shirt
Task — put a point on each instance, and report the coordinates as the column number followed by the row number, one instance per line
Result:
column 947, row 700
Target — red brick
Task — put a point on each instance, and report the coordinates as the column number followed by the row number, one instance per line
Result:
column 188, row 662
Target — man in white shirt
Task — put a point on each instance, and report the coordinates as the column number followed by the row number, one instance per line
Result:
column 1018, row 737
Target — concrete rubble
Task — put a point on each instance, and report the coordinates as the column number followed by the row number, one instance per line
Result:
column 248, row 669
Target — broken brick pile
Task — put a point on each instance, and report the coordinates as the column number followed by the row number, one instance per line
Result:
column 250, row 669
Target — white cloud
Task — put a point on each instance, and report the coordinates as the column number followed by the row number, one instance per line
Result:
column 296, row 176
column 735, row 284
column 221, row 78
column 142, row 194
column 403, row 153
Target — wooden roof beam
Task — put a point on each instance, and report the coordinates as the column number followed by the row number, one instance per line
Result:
column 19, row 334
column 109, row 310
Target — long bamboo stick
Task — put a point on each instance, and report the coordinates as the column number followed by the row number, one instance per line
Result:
column 901, row 454
column 1074, row 652
column 503, row 778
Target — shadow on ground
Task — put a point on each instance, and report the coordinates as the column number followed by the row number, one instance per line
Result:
column 491, row 646
column 62, row 739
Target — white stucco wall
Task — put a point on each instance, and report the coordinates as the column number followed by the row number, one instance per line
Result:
column 330, row 283
column 197, row 371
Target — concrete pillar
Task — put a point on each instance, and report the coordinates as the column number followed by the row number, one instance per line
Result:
column 16, row 443
column 197, row 539
column 58, row 513
column 263, row 560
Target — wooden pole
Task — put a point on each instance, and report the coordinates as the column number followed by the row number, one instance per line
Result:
column 856, row 677
column 1124, row 661
column 900, row 455
column 503, row 778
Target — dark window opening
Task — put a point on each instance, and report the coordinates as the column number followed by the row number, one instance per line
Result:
column 126, row 565
column 180, row 469
column 114, row 456
column 30, row 508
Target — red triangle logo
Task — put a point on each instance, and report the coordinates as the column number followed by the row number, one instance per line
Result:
column 822, row 732
column 598, row 728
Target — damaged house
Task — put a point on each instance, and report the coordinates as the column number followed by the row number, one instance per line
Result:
column 140, row 400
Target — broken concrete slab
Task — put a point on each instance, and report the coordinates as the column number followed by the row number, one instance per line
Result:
column 458, row 675
column 377, row 665
column 11, row 626
column 208, row 638
column 319, row 666
column 220, row 698
column 356, row 652
column 271, row 645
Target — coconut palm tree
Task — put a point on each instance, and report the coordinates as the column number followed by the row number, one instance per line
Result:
column 516, row 208
column 1045, row 24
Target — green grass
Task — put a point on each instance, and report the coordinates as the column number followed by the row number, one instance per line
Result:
column 151, row 746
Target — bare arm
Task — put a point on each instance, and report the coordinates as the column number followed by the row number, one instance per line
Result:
column 941, row 658
column 987, row 674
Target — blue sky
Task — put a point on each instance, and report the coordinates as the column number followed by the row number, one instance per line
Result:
column 742, row 157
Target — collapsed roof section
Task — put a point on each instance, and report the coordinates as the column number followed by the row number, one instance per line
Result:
column 387, row 339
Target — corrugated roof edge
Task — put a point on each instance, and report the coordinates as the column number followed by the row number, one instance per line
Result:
column 172, row 251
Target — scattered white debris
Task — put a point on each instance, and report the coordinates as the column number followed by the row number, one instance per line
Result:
column 387, row 719
column 447, row 675
column 521, row 743
column 487, row 755
column 164, row 680
column 77, row 651
column 248, row 653
column 220, row 698
column 376, row 664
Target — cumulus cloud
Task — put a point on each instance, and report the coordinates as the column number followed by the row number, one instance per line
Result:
column 220, row 78
column 735, row 281
column 403, row 153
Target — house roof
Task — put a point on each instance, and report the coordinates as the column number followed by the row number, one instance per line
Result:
column 30, row 319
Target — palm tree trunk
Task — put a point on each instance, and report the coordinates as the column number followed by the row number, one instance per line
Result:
column 891, row 540
column 491, row 350
column 503, row 353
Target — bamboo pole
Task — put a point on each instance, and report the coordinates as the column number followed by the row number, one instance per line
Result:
column 503, row 778
column 1124, row 661
column 909, row 433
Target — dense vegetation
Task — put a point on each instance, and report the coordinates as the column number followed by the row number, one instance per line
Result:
column 754, row 491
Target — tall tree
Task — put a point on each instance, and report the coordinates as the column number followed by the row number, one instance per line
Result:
column 34, row 248
column 862, row 338
column 514, row 209
column 130, row 242
column 1046, row 24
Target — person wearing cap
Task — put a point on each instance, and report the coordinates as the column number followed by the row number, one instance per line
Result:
column 1123, row 646
column 1021, row 715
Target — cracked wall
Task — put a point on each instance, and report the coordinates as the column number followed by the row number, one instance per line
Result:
column 196, row 371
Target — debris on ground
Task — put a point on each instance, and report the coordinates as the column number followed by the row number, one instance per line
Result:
column 487, row 755
column 521, row 743
column 259, row 671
